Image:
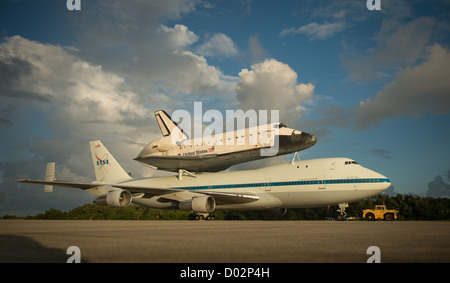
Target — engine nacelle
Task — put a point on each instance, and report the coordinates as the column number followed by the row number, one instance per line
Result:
column 203, row 204
column 119, row 198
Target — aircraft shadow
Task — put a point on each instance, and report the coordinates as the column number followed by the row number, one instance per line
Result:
column 21, row 249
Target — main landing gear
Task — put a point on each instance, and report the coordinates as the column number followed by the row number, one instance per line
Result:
column 201, row 216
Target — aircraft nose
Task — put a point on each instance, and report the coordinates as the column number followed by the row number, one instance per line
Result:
column 313, row 139
column 387, row 183
column 309, row 138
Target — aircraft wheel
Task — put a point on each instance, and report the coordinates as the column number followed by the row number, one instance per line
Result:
column 340, row 217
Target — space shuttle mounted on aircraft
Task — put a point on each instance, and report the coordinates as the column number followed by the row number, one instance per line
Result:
column 222, row 150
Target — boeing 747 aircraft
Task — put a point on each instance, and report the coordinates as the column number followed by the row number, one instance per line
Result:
column 300, row 184
column 174, row 151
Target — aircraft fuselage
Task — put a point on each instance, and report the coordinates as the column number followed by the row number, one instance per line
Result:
column 309, row 183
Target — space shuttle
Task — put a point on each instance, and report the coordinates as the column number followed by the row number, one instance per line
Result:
column 175, row 152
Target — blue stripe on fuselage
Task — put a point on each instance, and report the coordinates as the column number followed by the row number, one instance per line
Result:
column 288, row 183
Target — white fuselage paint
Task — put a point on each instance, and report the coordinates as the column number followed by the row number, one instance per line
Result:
column 307, row 183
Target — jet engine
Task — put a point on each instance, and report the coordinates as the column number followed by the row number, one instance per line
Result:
column 119, row 198
column 202, row 204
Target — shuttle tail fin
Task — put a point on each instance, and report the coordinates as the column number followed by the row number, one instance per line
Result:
column 165, row 123
column 105, row 165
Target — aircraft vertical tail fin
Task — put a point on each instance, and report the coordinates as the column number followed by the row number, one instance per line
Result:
column 49, row 176
column 165, row 123
column 105, row 165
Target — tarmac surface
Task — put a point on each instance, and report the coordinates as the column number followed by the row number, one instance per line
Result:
column 223, row 241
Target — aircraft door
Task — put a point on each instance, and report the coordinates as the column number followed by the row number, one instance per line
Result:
column 268, row 186
column 333, row 165
column 321, row 185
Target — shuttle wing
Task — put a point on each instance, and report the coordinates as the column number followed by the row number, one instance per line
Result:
column 169, row 157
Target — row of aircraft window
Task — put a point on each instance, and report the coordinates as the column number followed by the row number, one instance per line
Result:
column 275, row 184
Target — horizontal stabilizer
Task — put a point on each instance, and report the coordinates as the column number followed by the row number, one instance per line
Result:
column 65, row 184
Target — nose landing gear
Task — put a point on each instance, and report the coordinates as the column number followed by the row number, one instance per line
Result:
column 342, row 215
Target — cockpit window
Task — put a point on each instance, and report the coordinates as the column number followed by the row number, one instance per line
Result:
column 350, row 162
column 279, row 125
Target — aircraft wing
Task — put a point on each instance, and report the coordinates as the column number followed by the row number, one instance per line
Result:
column 86, row 186
column 220, row 197
column 149, row 192
column 231, row 198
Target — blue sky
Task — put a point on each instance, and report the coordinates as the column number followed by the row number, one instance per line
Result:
column 371, row 85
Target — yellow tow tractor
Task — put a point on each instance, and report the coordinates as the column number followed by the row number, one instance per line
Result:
column 380, row 213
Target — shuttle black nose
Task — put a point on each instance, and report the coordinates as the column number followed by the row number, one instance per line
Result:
column 308, row 138
column 313, row 139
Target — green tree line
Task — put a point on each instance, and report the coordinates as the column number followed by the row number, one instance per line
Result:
column 410, row 207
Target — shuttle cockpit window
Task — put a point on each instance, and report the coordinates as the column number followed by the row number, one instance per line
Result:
column 351, row 162
column 279, row 126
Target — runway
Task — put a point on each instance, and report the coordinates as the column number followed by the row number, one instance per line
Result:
column 223, row 241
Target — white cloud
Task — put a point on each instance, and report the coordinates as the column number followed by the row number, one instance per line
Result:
column 201, row 77
column 56, row 103
column 127, row 65
column 317, row 31
column 129, row 40
column 81, row 88
column 218, row 45
column 414, row 92
column 397, row 46
column 272, row 85
column 76, row 101
column 257, row 51
column 179, row 36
